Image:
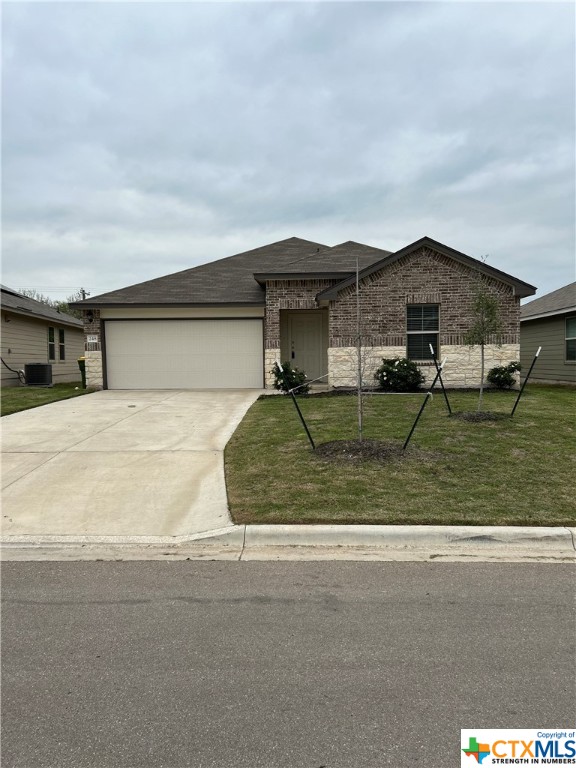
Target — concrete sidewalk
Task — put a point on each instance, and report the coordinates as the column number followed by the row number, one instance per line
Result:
column 314, row 542
column 120, row 463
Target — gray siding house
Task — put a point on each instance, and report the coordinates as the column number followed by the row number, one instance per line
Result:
column 226, row 323
column 32, row 332
column 550, row 322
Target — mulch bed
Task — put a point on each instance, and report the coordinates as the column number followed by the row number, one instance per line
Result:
column 360, row 450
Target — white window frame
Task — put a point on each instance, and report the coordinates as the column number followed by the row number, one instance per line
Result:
column 423, row 332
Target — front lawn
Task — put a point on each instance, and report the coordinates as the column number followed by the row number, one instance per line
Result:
column 16, row 399
column 516, row 471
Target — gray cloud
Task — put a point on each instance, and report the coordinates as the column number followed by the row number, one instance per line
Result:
column 140, row 139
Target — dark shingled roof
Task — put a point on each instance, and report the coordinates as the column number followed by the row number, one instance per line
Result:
column 240, row 279
column 231, row 280
column 22, row 305
column 562, row 300
column 226, row 281
column 340, row 259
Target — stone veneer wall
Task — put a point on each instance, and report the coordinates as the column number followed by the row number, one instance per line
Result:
column 343, row 364
column 93, row 351
column 271, row 356
column 94, row 373
column 462, row 363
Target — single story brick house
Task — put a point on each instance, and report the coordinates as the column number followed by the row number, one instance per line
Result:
column 33, row 332
column 550, row 322
column 224, row 324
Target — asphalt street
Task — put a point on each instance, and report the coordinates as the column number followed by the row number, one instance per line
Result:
column 278, row 665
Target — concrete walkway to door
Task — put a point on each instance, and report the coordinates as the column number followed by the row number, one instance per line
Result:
column 120, row 463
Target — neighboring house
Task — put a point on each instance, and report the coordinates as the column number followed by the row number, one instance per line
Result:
column 33, row 332
column 550, row 322
column 225, row 324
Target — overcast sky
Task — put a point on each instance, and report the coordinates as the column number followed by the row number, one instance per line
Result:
column 140, row 139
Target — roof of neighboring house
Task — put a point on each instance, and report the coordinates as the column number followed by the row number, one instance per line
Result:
column 240, row 279
column 554, row 303
column 22, row 305
column 520, row 287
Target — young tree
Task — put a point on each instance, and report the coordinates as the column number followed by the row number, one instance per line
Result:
column 363, row 358
column 359, row 366
column 486, row 326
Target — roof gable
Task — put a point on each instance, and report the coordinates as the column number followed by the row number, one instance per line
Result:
column 520, row 288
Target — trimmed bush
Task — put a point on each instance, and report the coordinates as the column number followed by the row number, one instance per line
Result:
column 398, row 374
column 288, row 378
column 502, row 376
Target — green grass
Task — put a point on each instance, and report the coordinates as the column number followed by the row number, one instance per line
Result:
column 15, row 399
column 516, row 471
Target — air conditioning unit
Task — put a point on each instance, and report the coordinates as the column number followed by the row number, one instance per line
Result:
column 38, row 374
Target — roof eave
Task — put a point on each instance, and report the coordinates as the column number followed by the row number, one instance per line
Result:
column 262, row 277
column 164, row 304
column 48, row 319
column 551, row 313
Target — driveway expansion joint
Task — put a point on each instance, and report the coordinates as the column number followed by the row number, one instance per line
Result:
column 51, row 456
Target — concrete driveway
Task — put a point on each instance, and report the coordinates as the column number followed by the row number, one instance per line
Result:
column 120, row 463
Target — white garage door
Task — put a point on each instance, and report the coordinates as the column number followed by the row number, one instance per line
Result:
column 184, row 354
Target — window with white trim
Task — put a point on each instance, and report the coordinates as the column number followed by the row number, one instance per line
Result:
column 571, row 339
column 422, row 326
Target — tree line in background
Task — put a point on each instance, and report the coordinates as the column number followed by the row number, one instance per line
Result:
column 60, row 306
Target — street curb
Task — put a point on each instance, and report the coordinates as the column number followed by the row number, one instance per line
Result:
column 418, row 536
column 277, row 542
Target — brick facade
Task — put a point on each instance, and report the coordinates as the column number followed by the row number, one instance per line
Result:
column 288, row 294
column 425, row 277
column 92, row 327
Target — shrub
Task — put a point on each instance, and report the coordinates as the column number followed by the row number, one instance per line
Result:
column 502, row 376
column 288, row 378
column 398, row 374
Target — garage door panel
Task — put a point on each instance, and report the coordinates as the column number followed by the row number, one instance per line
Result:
column 184, row 354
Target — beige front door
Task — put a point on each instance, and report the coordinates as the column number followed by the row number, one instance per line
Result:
column 305, row 343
